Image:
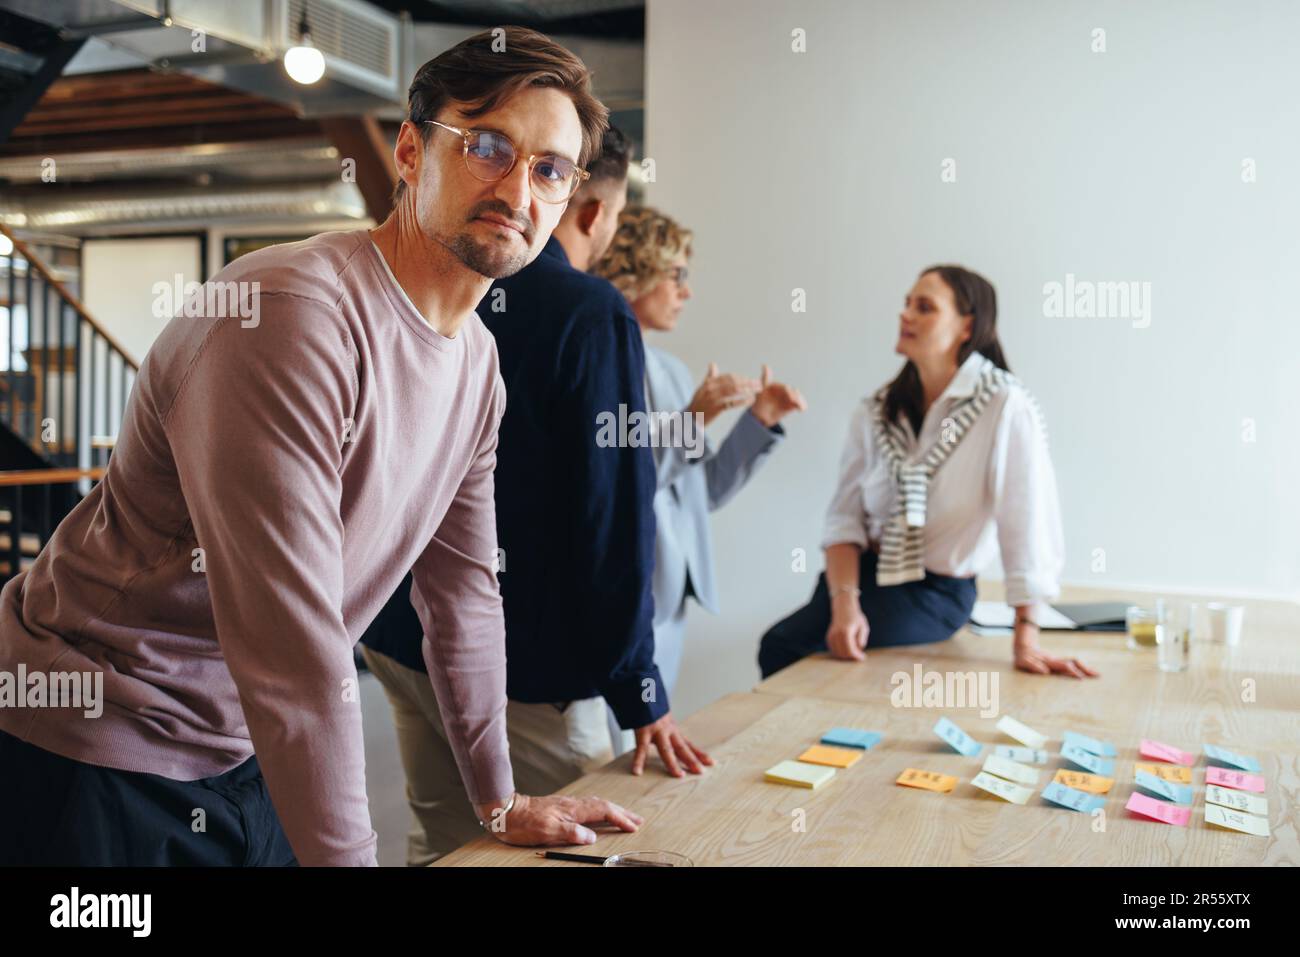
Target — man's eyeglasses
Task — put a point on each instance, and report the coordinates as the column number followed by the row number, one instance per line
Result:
column 678, row 274
column 491, row 156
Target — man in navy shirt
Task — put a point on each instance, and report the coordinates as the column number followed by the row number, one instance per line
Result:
column 575, row 523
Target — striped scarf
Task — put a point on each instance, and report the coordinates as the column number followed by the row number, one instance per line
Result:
column 902, row 545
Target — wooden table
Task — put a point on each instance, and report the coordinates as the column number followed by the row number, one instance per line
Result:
column 731, row 816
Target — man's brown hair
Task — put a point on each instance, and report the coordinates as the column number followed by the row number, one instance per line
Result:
column 490, row 67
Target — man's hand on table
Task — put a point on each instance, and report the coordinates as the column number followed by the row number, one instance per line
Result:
column 673, row 746
column 556, row 819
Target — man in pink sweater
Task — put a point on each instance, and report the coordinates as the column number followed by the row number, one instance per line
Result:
column 279, row 469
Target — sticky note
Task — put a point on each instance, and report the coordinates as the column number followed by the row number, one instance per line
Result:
column 1168, row 790
column 831, row 757
column 1165, row 752
column 852, row 738
column 798, row 774
column 1236, row 800
column 1021, row 732
column 1166, row 772
column 1080, row 781
column 1158, row 810
column 1089, row 762
column 1058, row 793
column 926, row 780
column 1236, row 820
column 1239, row 780
column 957, row 739
column 1003, row 789
column 1226, row 758
column 1011, row 770
column 1093, row 746
column 1023, row 755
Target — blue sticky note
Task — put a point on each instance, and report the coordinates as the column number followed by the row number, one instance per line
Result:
column 1169, row 790
column 851, row 738
column 1231, row 759
column 957, row 739
column 1089, row 762
column 1074, row 799
column 1091, row 745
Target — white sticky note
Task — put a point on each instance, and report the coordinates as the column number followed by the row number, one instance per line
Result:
column 1236, row 800
column 1236, row 820
column 1011, row 770
column 1003, row 789
column 1021, row 732
column 1023, row 755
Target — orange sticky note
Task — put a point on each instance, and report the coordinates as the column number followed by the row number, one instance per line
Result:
column 1166, row 772
column 1083, row 781
column 927, row 780
column 832, row 757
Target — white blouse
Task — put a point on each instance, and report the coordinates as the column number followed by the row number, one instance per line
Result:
column 995, row 493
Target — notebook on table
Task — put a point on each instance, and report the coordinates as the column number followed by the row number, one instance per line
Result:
column 997, row 618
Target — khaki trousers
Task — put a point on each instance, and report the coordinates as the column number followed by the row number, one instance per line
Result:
column 551, row 745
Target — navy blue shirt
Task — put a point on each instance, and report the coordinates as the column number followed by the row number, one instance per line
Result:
column 575, row 517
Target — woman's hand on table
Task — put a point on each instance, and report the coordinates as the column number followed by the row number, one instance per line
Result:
column 847, row 636
column 556, row 820
column 1033, row 659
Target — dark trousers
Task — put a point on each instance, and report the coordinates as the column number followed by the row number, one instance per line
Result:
column 912, row 614
column 55, row 811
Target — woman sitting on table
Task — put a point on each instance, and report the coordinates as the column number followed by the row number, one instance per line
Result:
column 944, row 467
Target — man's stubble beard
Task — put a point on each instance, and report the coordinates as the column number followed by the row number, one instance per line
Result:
column 484, row 260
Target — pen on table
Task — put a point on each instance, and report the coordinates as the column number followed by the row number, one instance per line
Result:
column 594, row 859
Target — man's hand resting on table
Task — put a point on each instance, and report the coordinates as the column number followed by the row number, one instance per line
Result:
column 556, row 819
column 673, row 747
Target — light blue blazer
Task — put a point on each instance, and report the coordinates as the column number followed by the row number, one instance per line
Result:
column 689, row 488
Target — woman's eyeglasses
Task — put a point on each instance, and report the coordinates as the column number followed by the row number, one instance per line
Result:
column 491, row 156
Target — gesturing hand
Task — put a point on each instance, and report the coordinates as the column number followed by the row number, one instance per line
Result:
column 776, row 400
column 719, row 392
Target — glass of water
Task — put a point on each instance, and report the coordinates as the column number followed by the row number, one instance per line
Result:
column 1176, row 636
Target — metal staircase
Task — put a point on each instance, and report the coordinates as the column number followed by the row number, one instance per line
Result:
column 64, row 382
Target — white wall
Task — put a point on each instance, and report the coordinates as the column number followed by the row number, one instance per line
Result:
column 117, row 282
column 821, row 170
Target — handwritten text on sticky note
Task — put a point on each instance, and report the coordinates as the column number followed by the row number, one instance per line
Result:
column 1158, row 810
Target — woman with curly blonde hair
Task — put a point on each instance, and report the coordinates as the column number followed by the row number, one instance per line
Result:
column 647, row 263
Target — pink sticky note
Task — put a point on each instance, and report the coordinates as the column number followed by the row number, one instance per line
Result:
column 1165, row 752
column 1160, row 810
column 1238, row 780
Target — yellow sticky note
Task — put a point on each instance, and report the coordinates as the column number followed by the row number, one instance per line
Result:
column 1083, row 781
column 927, row 780
column 1236, row 820
column 832, row 757
column 1003, row 789
column 1166, row 772
column 798, row 774
column 1021, row 732
column 1011, row 770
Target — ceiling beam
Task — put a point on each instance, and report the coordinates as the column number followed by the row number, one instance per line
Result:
column 361, row 139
